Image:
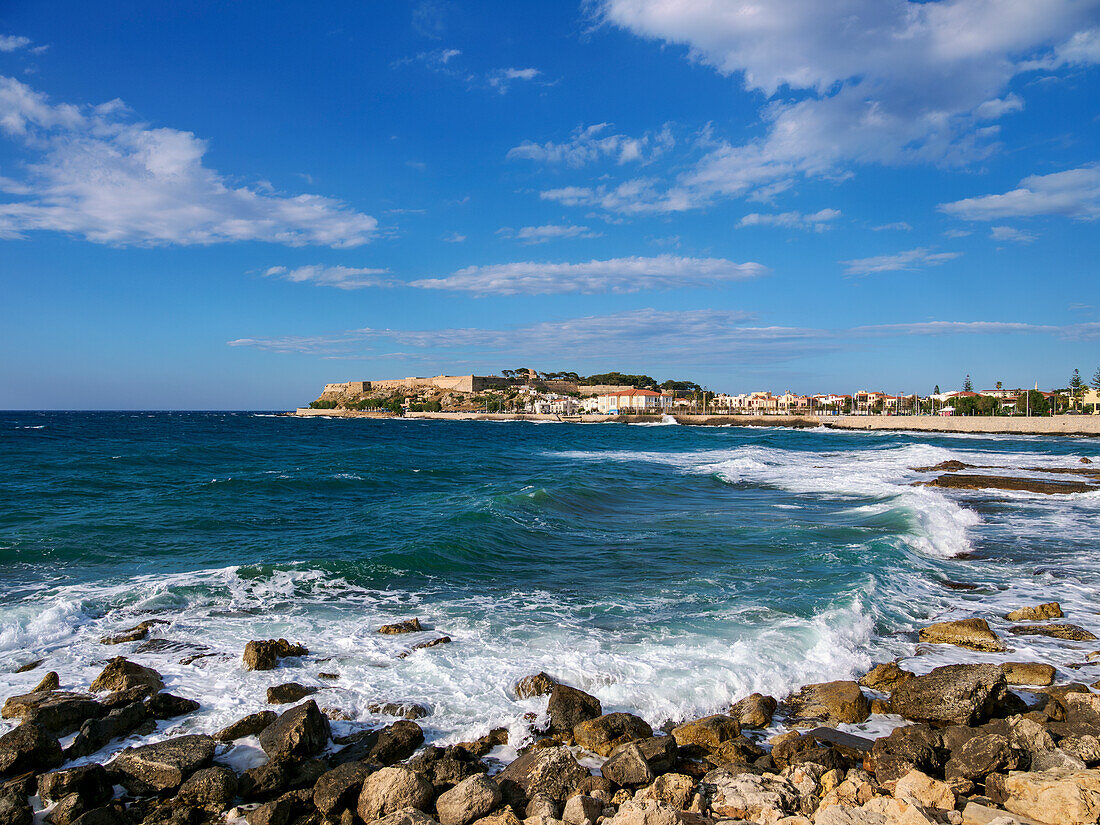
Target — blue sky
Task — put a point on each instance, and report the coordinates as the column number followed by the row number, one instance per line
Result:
column 207, row 205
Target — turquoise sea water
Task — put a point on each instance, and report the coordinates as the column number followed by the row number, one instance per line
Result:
column 668, row 570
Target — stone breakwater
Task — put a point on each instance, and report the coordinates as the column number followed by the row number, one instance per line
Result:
column 971, row 743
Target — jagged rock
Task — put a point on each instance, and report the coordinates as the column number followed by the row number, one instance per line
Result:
column 542, row 808
column 281, row 811
column 885, row 677
column 1058, row 797
column 568, row 707
column 1085, row 747
column 1038, row 613
column 168, row 706
column 707, row 734
column 389, row 790
column 88, row 782
column 442, row 640
column 1056, row 759
column 446, row 767
column 1055, row 631
column 970, row 633
column 483, row 744
column 59, row 712
column 250, row 725
column 628, row 767
column 748, row 796
column 406, row 710
column 912, row 747
column 290, row 692
column 382, row 747
column 265, row 654
column 50, row 682
column 582, row 810
column 952, row 694
column 213, row 788
column 552, row 772
column 407, row 816
column 470, row 799
column 604, row 733
column 538, row 685
column 162, row 766
column 29, row 747
column 983, row 755
column 95, row 733
column 122, row 674
column 122, row 698
column 1081, row 707
column 754, row 712
column 338, row 790
column 134, row 634
column 407, row 626
column 278, row 776
column 1028, row 673
column 14, row 810
column 675, row 789
column 66, row 810
column 792, row 749
column 836, row 702
column 301, row 731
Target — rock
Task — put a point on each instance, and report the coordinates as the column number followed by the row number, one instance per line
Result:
column 389, row 790
column 975, row 813
column 951, row 465
column 969, row 633
column 628, row 767
column 162, row 766
column 1085, row 747
column 754, row 712
column 95, row 733
column 1028, row 736
column 483, row 744
column 885, row 677
column 442, row 640
column 301, row 731
column 122, row 698
column 951, row 695
column 604, row 733
column 66, row 810
column 290, row 692
column 280, row 811
column 925, row 791
column 407, row 816
column 542, row 808
column 1028, row 673
column 29, row 747
column 582, row 810
column 1055, row 631
column 265, row 655
column 837, row 702
column 382, row 747
column 983, row 755
column 675, row 789
column 552, row 772
column 1056, row 759
column 568, row 707
column 134, row 634
column 50, row 682
column 470, row 799
column 338, row 790
column 122, row 674
column 963, row 481
column 168, row 706
column 88, row 782
column 278, row 776
column 406, row 710
column 538, row 685
column 707, row 734
column 250, row 725
column 1081, row 707
column 213, row 788
column 1058, row 797
column 748, row 796
column 905, row 749
column 407, row 626
column 1038, row 613
column 14, row 810
column 59, row 712
column 505, row 817
column 446, row 767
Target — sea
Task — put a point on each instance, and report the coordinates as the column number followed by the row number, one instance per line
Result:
column 668, row 570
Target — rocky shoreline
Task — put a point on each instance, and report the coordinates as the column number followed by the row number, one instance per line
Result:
column 976, row 744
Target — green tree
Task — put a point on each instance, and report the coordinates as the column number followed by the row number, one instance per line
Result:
column 967, row 385
column 936, row 391
column 1076, row 387
column 1096, row 380
column 1033, row 401
column 1000, row 385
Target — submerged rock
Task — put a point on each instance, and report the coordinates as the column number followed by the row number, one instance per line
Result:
column 162, row 766
column 407, row 710
column 969, row 633
column 407, row 626
column 568, row 707
column 290, row 692
column 963, row 481
column 1055, row 631
column 1040, row 612
column 951, row 695
column 134, row 634
column 265, row 655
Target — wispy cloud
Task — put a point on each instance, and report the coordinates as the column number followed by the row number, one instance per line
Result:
column 817, row 221
column 13, row 43
column 341, row 277
column 1010, row 233
column 908, row 260
column 548, row 232
column 592, row 143
column 899, row 226
column 502, row 79
column 108, row 179
column 454, row 237
column 1074, row 193
column 618, row 275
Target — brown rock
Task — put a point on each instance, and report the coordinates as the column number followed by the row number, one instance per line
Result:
column 628, row 767
column 162, row 766
column 89, row 782
column 1038, row 613
column 568, row 707
column 885, row 677
column 983, row 755
column 407, row 626
column 134, row 634
column 1057, row 797
column 470, row 799
column 961, row 481
column 59, row 712
column 29, row 747
column 836, row 702
column 390, row 790
column 1028, row 673
column 754, row 712
column 265, row 655
column 122, row 674
column 951, row 695
column 675, row 789
column 1055, row 631
column 290, row 692
column 970, row 633
column 50, row 682
column 748, row 796
column 552, row 772
column 301, row 731
column 707, row 734
column 338, row 790
column 406, row 710
column 604, row 733
column 250, row 725
column 538, row 685
column 925, row 791
column 213, row 788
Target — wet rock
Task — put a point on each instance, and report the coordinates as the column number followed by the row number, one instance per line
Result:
column 122, row 674
column 1028, row 673
column 134, row 634
column 162, row 766
column 169, row 706
column 250, row 725
column 1055, row 631
column 88, row 782
column 50, row 682
column 265, row 654
column 951, row 695
column 407, row 626
column 754, row 712
column 1038, row 613
column 837, row 702
column 29, row 747
column 29, row 666
column 582, row 810
column 950, row 465
column 14, row 810
column 552, row 772
column 446, row 767
column 95, row 733
column 391, row 744
column 406, row 710
column 914, row 747
column 287, row 693
column 1059, row 797
column 885, row 677
column 470, row 799
column 568, row 707
column 963, row 481
column 213, row 788
column 483, row 744
column 538, row 685
column 278, row 776
column 338, row 790
column 442, row 640
column 122, row 698
column 389, row 790
column 969, row 633
column 983, row 755
column 748, row 796
column 301, row 731
column 604, row 733
column 705, row 735
column 59, row 712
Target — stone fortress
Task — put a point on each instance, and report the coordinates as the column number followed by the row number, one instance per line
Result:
column 459, row 383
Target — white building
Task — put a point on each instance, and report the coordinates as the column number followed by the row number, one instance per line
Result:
column 627, row 401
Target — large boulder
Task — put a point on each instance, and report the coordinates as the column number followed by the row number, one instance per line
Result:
column 539, row 684
column 95, row 733
column 29, row 747
column 983, row 755
column 251, row 725
column 121, row 674
column 701, row 736
column 604, row 733
column 89, row 782
column 387, row 746
column 212, row 788
column 552, row 772
column 754, row 712
column 338, row 790
column 1028, row 673
column 923, row 790
column 161, row 766
column 675, row 789
column 1038, row 613
column 951, row 695
column 568, row 707
column 301, row 731
column 1058, row 797
column 885, row 677
column 265, row 654
column 970, row 633
column 389, row 790
column 835, row 702
column 59, row 712
column 628, row 767
column 470, row 799
column 749, row 796
column 907, row 748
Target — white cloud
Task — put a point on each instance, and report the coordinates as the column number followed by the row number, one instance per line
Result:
column 454, row 237
column 908, row 260
column 817, row 221
column 592, row 143
column 1080, row 50
column 1074, row 193
column 12, row 43
column 547, row 232
column 957, row 233
column 502, row 79
column 901, row 226
column 100, row 176
column 618, row 275
column 1009, row 233
column 341, row 277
